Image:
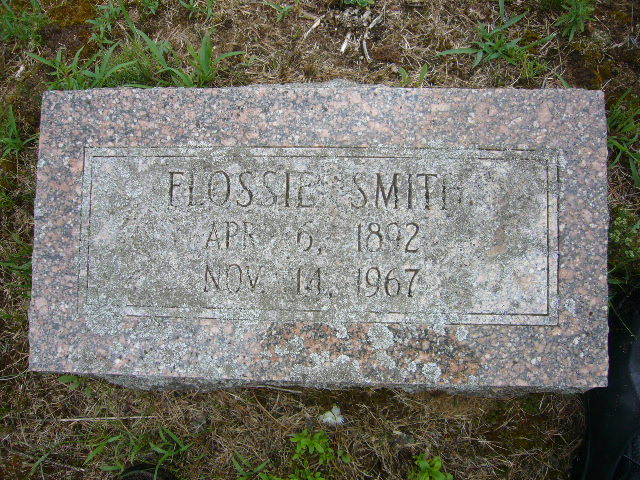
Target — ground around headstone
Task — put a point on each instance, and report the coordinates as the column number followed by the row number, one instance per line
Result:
column 338, row 236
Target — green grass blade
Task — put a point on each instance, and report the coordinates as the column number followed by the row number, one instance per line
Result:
column 221, row 57
column 153, row 47
column 510, row 22
column 49, row 63
column 423, row 73
column 564, row 83
column 205, row 53
column 478, row 59
column 542, row 41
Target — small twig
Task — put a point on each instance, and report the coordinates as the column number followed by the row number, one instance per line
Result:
column 234, row 396
column 345, row 44
column 98, row 419
column 11, row 377
column 18, row 74
column 276, row 388
column 313, row 27
column 365, row 35
column 365, row 50
column 375, row 21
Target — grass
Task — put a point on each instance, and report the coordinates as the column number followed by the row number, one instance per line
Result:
column 150, row 6
column 314, row 454
column 113, row 452
column 103, row 24
column 79, row 74
column 21, row 24
column 282, row 11
column 15, row 266
column 495, row 44
column 135, row 66
column 623, row 126
column 429, row 469
column 578, row 13
column 312, row 457
column 202, row 8
column 11, row 142
column 70, row 426
column 204, row 65
column 385, row 431
column 624, row 249
column 406, row 79
column 18, row 266
column 360, row 3
column 132, row 65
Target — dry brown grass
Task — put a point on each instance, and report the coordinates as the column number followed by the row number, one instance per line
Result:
column 533, row 437
column 530, row 437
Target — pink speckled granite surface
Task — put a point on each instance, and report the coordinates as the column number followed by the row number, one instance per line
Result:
column 571, row 356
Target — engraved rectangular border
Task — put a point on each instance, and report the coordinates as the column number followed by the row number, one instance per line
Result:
column 552, row 161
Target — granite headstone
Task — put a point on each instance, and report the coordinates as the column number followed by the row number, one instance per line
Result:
column 331, row 236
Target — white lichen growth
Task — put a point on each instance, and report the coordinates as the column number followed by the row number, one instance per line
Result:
column 432, row 371
column 332, row 417
column 462, row 333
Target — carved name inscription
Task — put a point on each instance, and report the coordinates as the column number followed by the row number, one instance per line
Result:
column 375, row 234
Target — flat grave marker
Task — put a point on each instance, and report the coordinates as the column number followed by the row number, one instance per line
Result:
column 324, row 236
